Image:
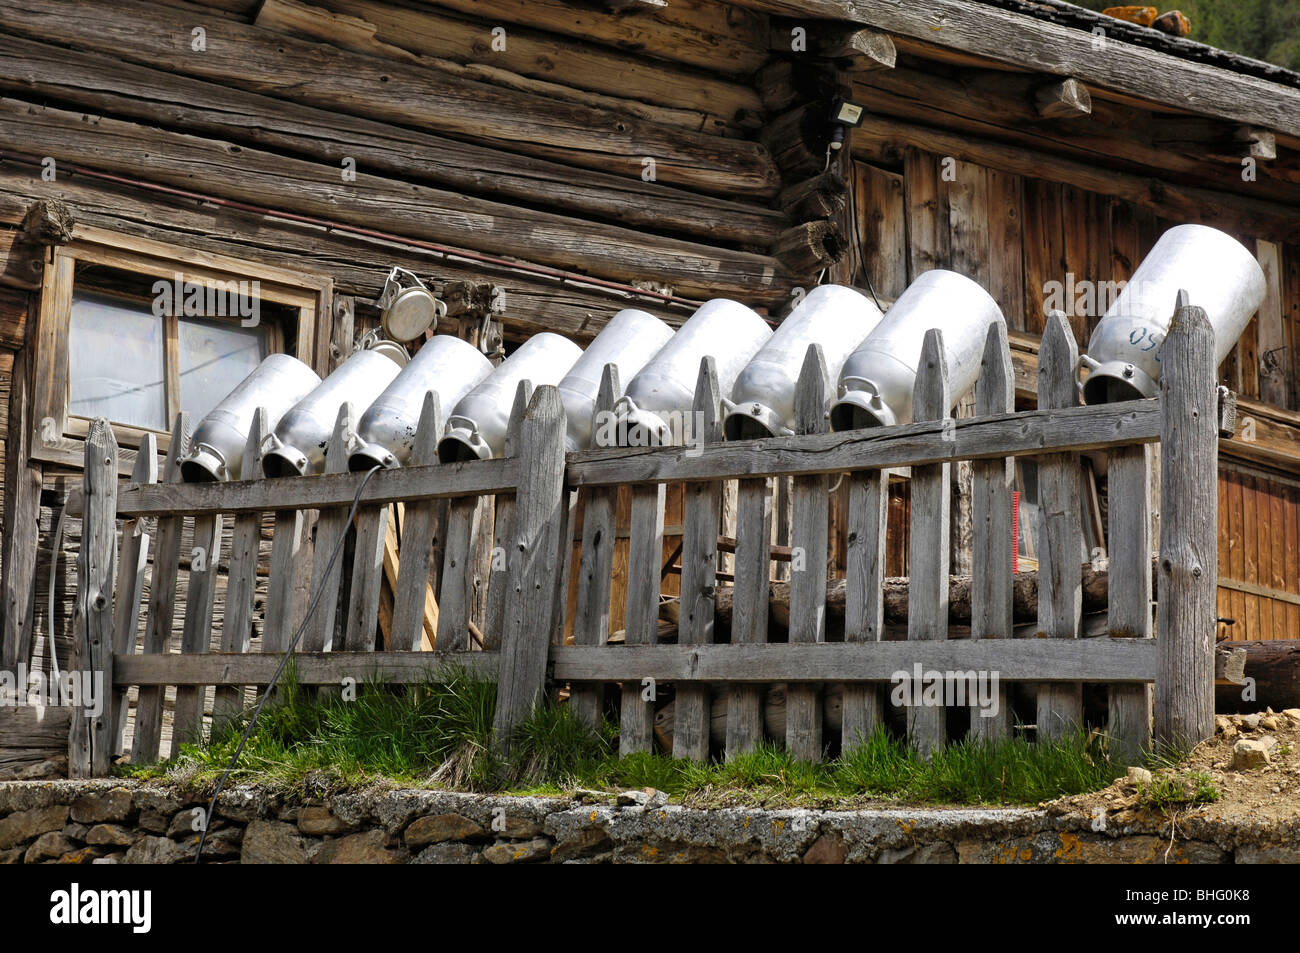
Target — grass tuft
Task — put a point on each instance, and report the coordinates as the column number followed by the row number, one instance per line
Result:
column 439, row 733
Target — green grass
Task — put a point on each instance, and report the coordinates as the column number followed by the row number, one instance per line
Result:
column 438, row 734
column 1168, row 792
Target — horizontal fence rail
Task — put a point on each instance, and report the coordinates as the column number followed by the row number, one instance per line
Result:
column 1011, row 435
column 468, row 565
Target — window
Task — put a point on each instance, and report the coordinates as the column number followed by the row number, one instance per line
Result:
column 138, row 331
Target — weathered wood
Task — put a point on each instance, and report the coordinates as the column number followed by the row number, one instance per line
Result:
column 419, row 211
column 1272, row 678
column 864, row 603
column 503, row 527
column 529, row 61
column 158, row 98
column 645, row 553
column 329, row 489
column 822, row 196
column 22, row 505
column 311, row 668
column 857, row 51
column 205, row 557
column 701, row 509
column 992, row 545
column 1065, row 99
column 1129, row 612
column 410, row 595
column 330, row 525
column 1028, row 42
column 747, row 665
column 261, row 61
column 749, row 619
column 887, row 138
column 90, row 738
column 367, row 578
column 162, row 602
column 595, row 565
column 809, row 541
column 457, row 579
column 1028, row 433
column 538, row 518
column 895, row 594
column 128, row 589
column 241, row 579
column 1058, row 538
column 575, row 308
column 927, row 618
column 1189, row 559
column 286, row 542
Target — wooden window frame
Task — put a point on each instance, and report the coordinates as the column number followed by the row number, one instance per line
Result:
column 63, row 441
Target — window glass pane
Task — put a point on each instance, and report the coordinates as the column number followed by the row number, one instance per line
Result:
column 214, row 357
column 115, row 361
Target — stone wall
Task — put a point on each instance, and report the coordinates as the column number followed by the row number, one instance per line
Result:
column 108, row 821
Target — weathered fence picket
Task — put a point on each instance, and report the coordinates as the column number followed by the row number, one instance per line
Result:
column 241, row 582
column 1059, row 539
column 132, row 565
column 410, row 596
column 750, row 607
column 701, row 510
column 90, row 742
column 330, row 525
column 645, row 551
column 596, row 563
column 538, row 517
column 503, row 527
column 809, row 532
column 162, row 603
column 992, row 544
column 928, row 553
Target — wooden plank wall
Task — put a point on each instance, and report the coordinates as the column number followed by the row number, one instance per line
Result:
column 1039, row 232
column 1259, row 555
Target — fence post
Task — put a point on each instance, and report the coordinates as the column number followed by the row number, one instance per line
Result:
column 1189, row 559
column 90, row 739
column 525, row 639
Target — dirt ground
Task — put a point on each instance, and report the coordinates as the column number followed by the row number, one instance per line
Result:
column 1253, row 762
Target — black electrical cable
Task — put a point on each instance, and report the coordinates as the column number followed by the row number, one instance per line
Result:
column 857, row 241
column 288, row 653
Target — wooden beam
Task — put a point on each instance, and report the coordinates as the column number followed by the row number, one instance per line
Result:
column 317, row 492
column 1025, row 434
column 1040, row 660
column 260, row 178
column 718, row 37
column 1066, row 99
column 263, row 61
column 1026, row 42
column 712, row 102
column 533, row 303
column 311, row 668
column 196, row 107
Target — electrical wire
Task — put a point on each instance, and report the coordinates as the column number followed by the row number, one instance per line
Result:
column 288, row 653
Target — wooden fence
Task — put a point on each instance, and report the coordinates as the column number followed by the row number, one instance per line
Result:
column 538, row 492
